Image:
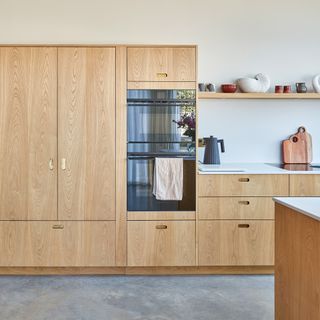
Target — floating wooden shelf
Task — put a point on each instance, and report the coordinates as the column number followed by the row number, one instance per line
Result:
column 221, row 95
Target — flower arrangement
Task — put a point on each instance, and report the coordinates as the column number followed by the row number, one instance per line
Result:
column 187, row 122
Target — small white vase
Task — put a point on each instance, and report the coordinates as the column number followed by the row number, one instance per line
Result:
column 316, row 83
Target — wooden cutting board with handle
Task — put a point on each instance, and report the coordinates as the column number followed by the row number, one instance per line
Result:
column 298, row 148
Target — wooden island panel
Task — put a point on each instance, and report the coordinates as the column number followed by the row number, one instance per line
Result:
column 297, row 266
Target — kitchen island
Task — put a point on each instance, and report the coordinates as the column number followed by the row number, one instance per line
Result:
column 297, row 258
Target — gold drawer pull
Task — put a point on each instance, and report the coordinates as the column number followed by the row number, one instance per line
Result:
column 51, row 166
column 58, row 226
column 63, row 163
column 244, row 179
column 161, row 226
column 162, row 75
column 243, row 225
column 246, row 203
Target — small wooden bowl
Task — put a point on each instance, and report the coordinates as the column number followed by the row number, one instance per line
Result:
column 229, row 88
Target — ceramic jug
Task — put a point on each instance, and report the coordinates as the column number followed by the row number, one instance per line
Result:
column 301, row 87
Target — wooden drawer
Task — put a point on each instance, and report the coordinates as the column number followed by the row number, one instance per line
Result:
column 304, row 185
column 161, row 64
column 236, row 243
column 161, row 243
column 236, row 208
column 45, row 244
column 243, row 185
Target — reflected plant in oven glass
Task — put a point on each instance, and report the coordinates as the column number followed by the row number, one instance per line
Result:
column 187, row 122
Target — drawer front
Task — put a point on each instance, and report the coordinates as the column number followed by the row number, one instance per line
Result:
column 234, row 208
column 304, row 185
column 236, row 243
column 161, row 64
column 57, row 244
column 161, row 243
column 243, row 185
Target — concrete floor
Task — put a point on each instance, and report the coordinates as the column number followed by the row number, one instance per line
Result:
column 137, row 298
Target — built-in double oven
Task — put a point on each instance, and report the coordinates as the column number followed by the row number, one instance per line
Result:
column 160, row 124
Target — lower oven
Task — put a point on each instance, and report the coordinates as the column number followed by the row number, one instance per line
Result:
column 140, row 186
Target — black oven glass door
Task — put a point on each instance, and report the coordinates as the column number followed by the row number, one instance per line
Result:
column 140, row 186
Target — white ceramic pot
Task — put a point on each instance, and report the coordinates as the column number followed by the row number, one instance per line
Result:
column 260, row 83
column 316, row 83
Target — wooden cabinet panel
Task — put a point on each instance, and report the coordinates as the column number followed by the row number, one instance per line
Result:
column 243, row 185
column 28, row 133
column 236, row 243
column 304, row 185
column 87, row 133
column 161, row 243
column 29, row 243
column 161, row 64
column 236, row 208
column 160, row 215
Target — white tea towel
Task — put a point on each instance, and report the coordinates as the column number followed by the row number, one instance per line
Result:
column 168, row 179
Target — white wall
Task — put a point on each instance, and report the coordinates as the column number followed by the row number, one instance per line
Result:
column 236, row 38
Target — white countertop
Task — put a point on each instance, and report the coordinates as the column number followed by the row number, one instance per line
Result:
column 248, row 168
column 309, row 206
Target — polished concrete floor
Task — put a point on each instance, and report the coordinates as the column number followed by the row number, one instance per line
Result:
column 137, row 297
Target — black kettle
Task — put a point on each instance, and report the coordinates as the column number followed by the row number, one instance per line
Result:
column 211, row 152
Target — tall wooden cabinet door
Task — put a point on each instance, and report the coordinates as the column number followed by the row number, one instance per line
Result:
column 28, row 133
column 86, row 112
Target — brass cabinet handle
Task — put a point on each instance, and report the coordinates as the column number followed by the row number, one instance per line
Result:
column 243, row 225
column 161, row 226
column 246, row 203
column 63, row 163
column 58, row 226
column 244, row 179
column 162, row 75
column 51, row 166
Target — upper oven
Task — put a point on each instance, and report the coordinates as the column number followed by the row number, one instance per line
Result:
column 160, row 123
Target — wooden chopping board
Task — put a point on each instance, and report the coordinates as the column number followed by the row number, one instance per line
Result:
column 298, row 148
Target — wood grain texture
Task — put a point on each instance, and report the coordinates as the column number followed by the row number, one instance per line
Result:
column 147, row 64
column 87, row 133
column 236, row 208
column 150, row 246
column 161, row 215
column 224, row 243
column 297, row 263
column 29, row 243
column 243, row 185
column 28, row 133
column 171, row 85
column 304, row 185
column 121, row 156
column 135, row 270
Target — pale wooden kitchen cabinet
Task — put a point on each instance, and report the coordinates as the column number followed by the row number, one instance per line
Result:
column 228, row 208
column 236, row 218
column 304, row 185
column 161, row 243
column 28, row 133
column 236, row 242
column 243, row 185
column 86, row 134
column 57, row 243
column 57, row 157
column 161, row 64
